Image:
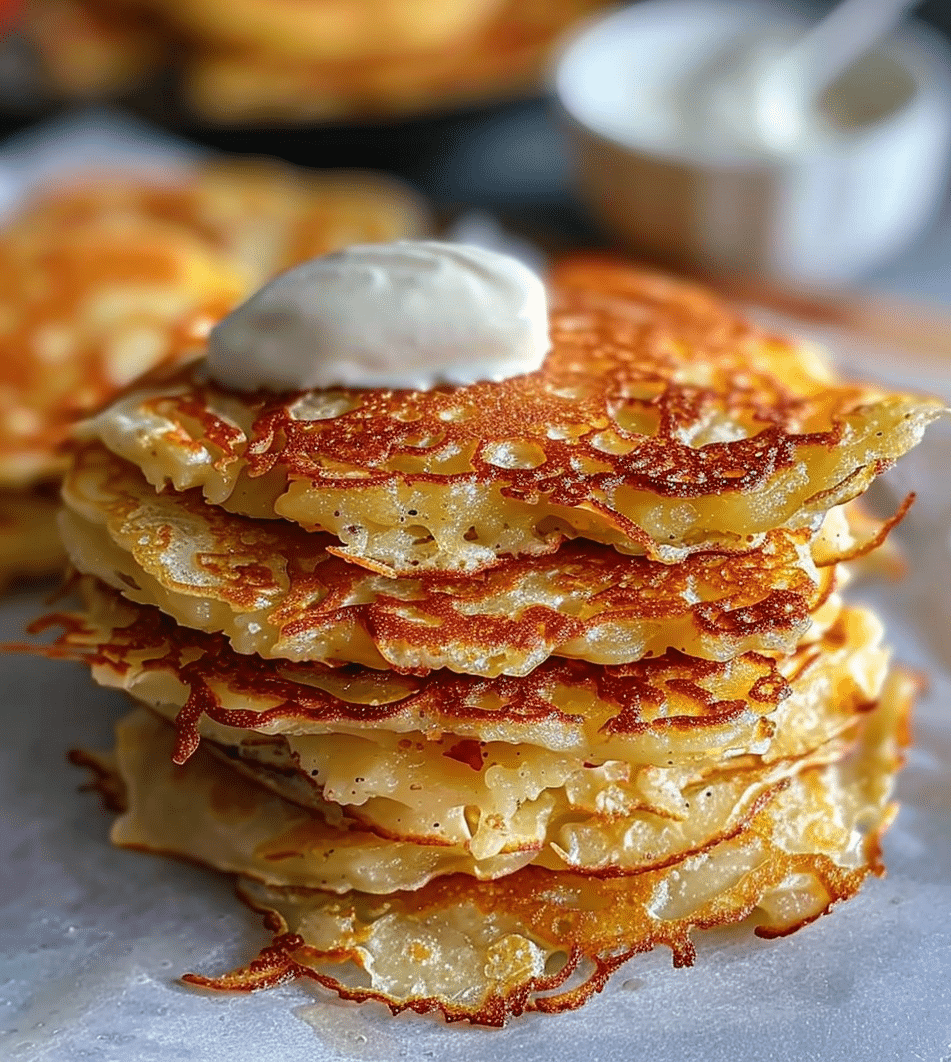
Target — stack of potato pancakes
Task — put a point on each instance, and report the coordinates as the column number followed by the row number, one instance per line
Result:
column 481, row 691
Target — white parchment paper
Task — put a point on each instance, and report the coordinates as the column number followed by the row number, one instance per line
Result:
column 92, row 939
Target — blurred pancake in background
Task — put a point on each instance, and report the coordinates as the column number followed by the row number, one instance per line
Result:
column 327, row 30
column 265, row 215
column 264, row 61
column 83, row 311
column 112, row 276
column 92, row 50
column 505, row 59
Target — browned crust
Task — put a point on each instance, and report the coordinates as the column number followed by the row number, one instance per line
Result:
column 764, row 593
column 876, row 540
column 634, row 691
column 617, row 334
column 524, row 892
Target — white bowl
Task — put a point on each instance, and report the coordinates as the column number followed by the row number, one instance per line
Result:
column 822, row 213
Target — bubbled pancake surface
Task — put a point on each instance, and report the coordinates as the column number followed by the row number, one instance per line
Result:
column 660, row 424
column 277, row 590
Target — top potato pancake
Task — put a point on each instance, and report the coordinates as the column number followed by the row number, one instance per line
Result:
column 660, row 424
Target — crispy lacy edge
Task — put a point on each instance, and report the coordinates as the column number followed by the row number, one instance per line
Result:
column 592, row 952
column 287, row 599
column 584, row 973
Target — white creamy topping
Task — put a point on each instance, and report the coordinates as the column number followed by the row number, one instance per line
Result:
column 412, row 314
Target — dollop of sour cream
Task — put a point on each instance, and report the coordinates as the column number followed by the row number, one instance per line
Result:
column 412, row 314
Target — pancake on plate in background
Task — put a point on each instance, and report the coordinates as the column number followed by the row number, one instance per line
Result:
column 112, row 275
column 264, row 61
